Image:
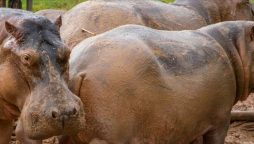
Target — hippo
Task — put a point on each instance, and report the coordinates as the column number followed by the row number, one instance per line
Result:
column 51, row 14
column 34, row 76
column 97, row 16
column 142, row 85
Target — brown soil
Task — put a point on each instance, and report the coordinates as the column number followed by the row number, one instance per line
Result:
column 242, row 132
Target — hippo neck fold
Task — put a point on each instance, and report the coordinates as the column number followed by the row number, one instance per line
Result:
column 227, row 39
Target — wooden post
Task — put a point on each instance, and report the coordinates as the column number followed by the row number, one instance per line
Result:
column 242, row 116
column 29, row 4
column 15, row 4
column 2, row 3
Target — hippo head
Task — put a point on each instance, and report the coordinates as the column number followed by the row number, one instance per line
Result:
column 238, row 10
column 39, row 61
column 214, row 11
column 241, row 10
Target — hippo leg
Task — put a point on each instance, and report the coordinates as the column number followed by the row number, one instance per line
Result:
column 217, row 135
column 197, row 141
column 21, row 137
column 5, row 131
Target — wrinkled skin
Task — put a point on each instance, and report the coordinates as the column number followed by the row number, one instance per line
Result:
column 33, row 78
column 141, row 85
column 51, row 14
column 97, row 16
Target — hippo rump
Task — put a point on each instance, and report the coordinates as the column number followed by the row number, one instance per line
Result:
column 51, row 14
column 33, row 78
column 141, row 85
column 97, row 16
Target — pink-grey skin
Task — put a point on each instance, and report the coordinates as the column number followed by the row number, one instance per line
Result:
column 34, row 76
column 140, row 85
column 97, row 16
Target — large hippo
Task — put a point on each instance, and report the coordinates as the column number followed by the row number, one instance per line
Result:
column 141, row 85
column 33, row 78
column 51, row 14
column 97, row 16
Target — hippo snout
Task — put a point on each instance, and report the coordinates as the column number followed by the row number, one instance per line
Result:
column 53, row 113
column 63, row 116
column 59, row 114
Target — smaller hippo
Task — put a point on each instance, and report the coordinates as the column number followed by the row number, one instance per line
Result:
column 34, row 77
column 140, row 85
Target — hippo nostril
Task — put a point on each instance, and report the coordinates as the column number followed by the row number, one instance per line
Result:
column 54, row 114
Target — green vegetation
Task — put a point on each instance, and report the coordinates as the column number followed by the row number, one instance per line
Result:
column 52, row 4
column 62, row 4
column 167, row 1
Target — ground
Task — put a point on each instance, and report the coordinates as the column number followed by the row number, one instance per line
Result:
column 242, row 132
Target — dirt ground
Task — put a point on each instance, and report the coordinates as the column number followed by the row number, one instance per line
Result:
column 242, row 132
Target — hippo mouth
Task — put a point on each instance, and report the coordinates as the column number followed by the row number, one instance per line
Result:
column 38, row 128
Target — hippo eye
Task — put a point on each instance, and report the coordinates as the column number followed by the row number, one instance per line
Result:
column 28, row 58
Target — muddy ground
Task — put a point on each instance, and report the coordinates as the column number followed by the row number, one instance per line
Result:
column 242, row 132
column 239, row 132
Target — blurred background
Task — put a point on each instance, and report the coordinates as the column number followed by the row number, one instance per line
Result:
column 60, row 4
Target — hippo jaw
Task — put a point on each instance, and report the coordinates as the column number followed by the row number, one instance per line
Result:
column 58, row 114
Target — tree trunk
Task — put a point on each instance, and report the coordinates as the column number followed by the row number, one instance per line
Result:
column 15, row 4
column 29, row 5
column 242, row 116
column 2, row 3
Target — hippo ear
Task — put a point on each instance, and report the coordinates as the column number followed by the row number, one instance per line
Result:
column 58, row 22
column 14, row 31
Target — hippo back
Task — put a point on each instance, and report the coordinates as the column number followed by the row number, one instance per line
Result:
column 97, row 16
column 162, row 84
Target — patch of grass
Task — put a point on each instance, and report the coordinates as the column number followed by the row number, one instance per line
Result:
column 63, row 4
column 52, row 4
column 167, row 1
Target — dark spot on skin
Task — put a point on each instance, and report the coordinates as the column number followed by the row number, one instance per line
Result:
column 181, row 62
